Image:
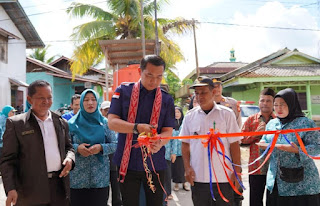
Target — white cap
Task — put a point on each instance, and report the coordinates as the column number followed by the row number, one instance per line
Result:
column 105, row 104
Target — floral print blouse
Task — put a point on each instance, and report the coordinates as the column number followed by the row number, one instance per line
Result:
column 310, row 185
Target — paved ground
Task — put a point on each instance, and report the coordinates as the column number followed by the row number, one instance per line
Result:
column 182, row 197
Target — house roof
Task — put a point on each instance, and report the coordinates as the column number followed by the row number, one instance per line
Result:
column 283, row 63
column 217, row 68
column 63, row 58
column 46, row 66
column 62, row 74
column 292, row 71
column 16, row 13
column 254, row 64
column 8, row 34
column 121, row 52
column 77, row 78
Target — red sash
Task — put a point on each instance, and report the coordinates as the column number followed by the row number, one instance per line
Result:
column 132, row 114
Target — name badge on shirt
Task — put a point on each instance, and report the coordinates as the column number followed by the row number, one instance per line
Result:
column 27, row 132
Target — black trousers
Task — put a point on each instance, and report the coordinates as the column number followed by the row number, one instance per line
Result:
column 301, row 200
column 167, row 178
column 201, row 195
column 257, row 185
column 130, row 188
column 115, row 188
column 57, row 195
column 92, row 196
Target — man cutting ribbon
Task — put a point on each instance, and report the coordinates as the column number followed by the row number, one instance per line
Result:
column 136, row 108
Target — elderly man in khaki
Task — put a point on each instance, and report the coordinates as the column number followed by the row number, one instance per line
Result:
column 226, row 101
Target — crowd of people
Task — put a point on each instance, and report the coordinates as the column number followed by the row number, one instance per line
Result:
column 75, row 158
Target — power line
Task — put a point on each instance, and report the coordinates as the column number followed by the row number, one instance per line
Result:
column 258, row 26
column 204, row 22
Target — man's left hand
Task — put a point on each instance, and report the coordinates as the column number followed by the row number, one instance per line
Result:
column 156, row 145
column 67, row 167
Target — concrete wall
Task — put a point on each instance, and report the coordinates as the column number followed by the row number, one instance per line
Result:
column 16, row 66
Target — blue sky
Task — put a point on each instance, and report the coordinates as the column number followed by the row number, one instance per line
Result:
column 214, row 40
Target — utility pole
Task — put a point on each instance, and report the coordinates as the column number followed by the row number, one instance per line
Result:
column 143, row 38
column 195, row 47
column 156, row 27
column 107, row 77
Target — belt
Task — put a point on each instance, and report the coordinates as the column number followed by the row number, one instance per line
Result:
column 53, row 174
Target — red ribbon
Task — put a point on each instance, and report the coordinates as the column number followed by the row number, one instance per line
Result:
column 212, row 139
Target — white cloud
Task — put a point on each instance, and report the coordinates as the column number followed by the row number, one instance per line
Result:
column 186, row 8
column 250, row 44
column 214, row 41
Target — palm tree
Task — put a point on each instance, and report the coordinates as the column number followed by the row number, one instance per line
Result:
column 123, row 22
column 41, row 54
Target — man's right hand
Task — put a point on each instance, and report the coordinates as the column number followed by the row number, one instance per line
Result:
column 190, row 175
column 147, row 128
column 83, row 150
column 12, row 198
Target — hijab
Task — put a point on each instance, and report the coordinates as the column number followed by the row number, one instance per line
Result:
column 178, row 122
column 291, row 98
column 191, row 102
column 88, row 126
column 6, row 110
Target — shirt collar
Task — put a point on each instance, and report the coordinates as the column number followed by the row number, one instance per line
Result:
column 215, row 107
column 49, row 118
column 143, row 89
column 272, row 116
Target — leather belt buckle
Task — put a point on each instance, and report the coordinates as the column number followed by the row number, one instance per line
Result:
column 53, row 174
column 50, row 175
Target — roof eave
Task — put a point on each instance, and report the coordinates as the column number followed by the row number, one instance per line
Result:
column 24, row 25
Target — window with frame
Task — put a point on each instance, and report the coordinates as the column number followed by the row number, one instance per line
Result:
column 3, row 49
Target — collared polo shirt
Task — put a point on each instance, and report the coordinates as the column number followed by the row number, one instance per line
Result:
column 198, row 122
column 50, row 142
column 120, row 107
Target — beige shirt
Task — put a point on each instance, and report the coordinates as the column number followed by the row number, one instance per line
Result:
column 198, row 122
column 50, row 142
column 234, row 105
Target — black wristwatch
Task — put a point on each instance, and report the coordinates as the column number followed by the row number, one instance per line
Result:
column 135, row 128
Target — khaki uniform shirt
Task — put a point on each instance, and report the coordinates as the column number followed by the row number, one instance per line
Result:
column 234, row 105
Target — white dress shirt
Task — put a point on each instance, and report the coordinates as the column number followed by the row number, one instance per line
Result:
column 50, row 141
column 197, row 121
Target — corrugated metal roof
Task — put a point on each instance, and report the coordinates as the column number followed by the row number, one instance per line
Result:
column 46, row 66
column 22, row 22
column 123, row 51
column 62, row 74
column 283, row 71
column 227, row 64
column 63, row 58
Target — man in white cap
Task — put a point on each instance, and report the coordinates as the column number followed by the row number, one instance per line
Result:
column 105, row 106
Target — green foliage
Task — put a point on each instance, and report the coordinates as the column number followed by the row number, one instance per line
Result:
column 187, row 81
column 41, row 54
column 123, row 21
column 173, row 82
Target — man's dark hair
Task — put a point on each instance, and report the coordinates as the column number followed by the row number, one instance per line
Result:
column 74, row 97
column 268, row 91
column 32, row 88
column 152, row 59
